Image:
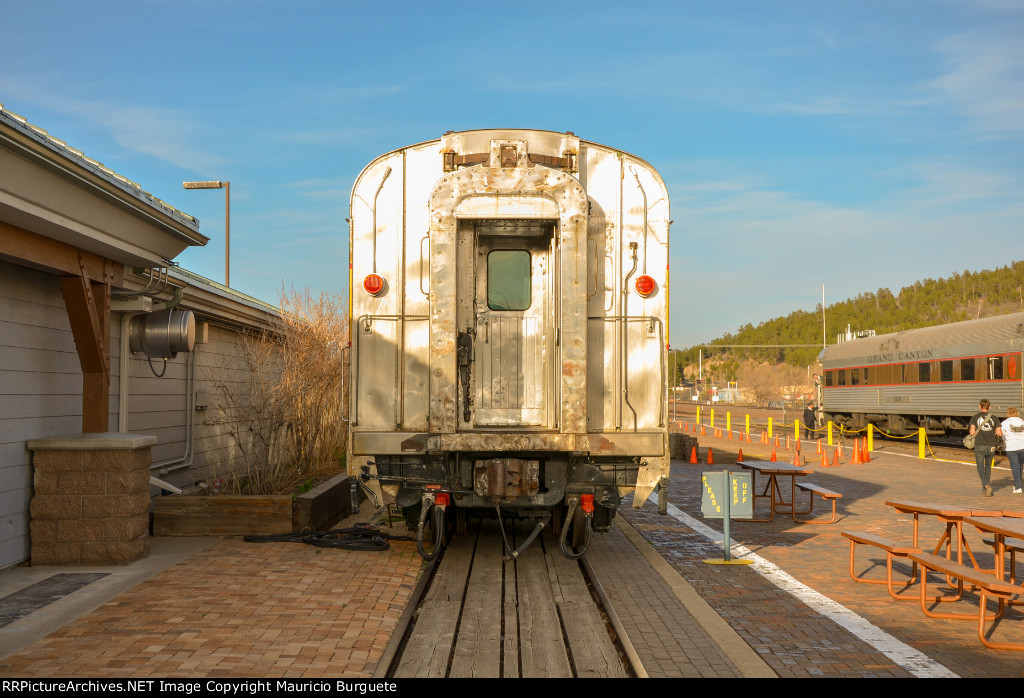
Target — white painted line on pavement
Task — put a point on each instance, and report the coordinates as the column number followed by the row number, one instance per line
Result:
column 914, row 661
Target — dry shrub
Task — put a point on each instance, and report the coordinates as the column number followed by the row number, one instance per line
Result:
column 284, row 414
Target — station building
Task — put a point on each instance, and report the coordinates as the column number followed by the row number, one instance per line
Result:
column 89, row 428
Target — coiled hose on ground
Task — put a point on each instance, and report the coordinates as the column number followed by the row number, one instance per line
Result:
column 563, row 539
column 356, row 538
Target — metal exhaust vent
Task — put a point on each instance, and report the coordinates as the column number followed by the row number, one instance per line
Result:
column 161, row 335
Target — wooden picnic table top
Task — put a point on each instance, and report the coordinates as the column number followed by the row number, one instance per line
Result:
column 940, row 509
column 769, row 468
column 1004, row 525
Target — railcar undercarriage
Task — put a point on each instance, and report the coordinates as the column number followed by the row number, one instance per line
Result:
column 548, row 488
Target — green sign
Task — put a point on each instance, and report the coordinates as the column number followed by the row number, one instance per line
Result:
column 717, row 485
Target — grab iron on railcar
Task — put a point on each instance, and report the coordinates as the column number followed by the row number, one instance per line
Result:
column 509, row 295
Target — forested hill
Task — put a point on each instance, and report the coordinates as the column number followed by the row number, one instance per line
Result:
column 930, row 302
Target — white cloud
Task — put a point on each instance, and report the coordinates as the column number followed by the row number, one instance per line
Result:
column 984, row 81
column 170, row 135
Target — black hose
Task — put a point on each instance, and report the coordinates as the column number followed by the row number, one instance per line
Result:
column 514, row 555
column 563, row 539
column 438, row 530
column 356, row 538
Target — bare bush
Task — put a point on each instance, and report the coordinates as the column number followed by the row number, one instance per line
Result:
column 284, row 413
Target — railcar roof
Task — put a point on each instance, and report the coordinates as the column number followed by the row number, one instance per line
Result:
column 991, row 329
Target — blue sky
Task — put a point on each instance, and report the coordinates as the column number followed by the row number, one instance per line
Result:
column 856, row 144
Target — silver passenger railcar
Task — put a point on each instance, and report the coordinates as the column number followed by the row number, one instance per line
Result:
column 931, row 377
column 509, row 295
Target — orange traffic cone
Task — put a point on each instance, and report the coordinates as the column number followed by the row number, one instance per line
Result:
column 787, row 441
column 703, row 431
column 864, row 457
column 693, row 455
column 855, row 458
column 773, row 458
column 796, row 458
column 835, row 456
column 824, row 461
column 739, row 456
column 839, row 448
column 728, row 434
column 819, row 446
column 711, row 458
column 776, row 441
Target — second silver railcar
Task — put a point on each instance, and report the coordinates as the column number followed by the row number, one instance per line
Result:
column 931, row 377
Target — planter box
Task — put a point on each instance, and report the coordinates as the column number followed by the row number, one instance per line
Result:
column 222, row 515
column 324, row 505
column 244, row 515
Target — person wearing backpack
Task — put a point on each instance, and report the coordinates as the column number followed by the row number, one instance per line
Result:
column 987, row 433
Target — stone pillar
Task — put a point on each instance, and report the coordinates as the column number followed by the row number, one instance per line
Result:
column 91, row 501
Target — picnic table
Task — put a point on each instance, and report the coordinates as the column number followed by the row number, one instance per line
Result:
column 952, row 515
column 772, row 490
column 1002, row 527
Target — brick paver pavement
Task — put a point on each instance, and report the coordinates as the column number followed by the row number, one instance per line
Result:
column 239, row 609
column 793, row 639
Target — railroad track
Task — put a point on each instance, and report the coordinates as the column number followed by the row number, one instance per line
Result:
column 481, row 616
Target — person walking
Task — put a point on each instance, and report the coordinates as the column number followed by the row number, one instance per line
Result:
column 1013, row 434
column 986, row 432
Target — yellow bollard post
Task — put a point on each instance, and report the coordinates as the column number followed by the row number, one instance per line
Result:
column 698, row 415
column 769, row 427
column 871, row 438
column 712, row 417
column 747, row 425
column 830, row 432
column 796, row 430
column 728, row 423
column 920, row 443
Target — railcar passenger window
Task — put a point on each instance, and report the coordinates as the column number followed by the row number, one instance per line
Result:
column 854, row 376
column 866, row 382
column 945, row 371
column 966, row 369
column 841, row 377
column 508, row 280
column 828, row 378
column 924, row 373
column 1013, row 366
column 995, row 368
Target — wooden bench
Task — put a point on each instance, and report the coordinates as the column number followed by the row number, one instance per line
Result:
column 826, row 494
column 892, row 549
column 986, row 584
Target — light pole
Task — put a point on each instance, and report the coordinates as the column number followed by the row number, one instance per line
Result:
column 226, row 186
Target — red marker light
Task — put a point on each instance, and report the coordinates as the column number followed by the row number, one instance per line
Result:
column 645, row 285
column 441, row 499
column 587, row 503
column 373, row 284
